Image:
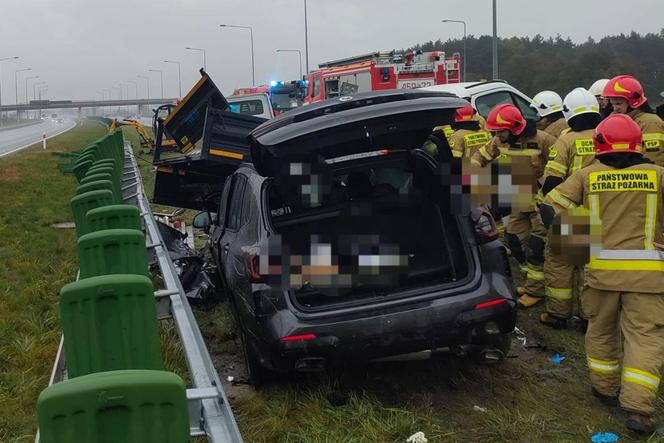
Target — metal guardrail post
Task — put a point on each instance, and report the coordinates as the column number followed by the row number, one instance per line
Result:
column 216, row 417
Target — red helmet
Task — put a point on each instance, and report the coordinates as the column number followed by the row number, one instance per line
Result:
column 464, row 114
column 617, row 133
column 627, row 87
column 506, row 117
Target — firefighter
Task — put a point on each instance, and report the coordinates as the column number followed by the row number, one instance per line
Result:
column 623, row 294
column 526, row 148
column 627, row 97
column 549, row 106
column 467, row 137
column 597, row 89
column 573, row 150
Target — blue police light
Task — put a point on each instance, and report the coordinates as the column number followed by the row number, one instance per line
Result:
column 273, row 83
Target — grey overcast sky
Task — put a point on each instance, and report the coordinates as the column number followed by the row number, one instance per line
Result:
column 79, row 47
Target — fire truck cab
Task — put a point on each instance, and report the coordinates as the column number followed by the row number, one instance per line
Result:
column 382, row 70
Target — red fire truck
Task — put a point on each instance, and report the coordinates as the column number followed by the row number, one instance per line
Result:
column 382, row 70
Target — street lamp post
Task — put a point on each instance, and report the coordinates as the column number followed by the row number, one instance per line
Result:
column 147, row 79
column 203, row 51
column 179, row 76
column 2, row 60
column 138, row 107
column 465, row 52
column 251, row 32
column 306, row 37
column 34, row 91
column 299, row 58
column 18, row 114
column 495, row 42
column 161, row 77
column 26, row 89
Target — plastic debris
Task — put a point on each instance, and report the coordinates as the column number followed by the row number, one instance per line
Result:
column 230, row 378
column 557, row 359
column 520, row 336
column 605, row 437
column 479, row 408
column 417, row 437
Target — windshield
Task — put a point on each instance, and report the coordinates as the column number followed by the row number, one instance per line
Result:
column 284, row 100
column 247, row 107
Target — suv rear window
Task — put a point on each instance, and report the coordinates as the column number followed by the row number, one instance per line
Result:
column 247, row 107
column 365, row 183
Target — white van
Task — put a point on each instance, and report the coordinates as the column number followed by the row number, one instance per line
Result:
column 256, row 105
column 485, row 96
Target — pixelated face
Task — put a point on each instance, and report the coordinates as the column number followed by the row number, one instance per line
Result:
column 508, row 183
column 575, row 234
column 603, row 102
column 620, row 105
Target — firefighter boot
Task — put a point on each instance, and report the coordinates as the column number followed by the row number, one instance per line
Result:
column 552, row 321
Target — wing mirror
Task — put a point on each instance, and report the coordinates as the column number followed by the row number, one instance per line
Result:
column 202, row 221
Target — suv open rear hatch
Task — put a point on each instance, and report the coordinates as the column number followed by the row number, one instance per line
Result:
column 195, row 180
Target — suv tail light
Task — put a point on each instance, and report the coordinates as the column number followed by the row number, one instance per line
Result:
column 484, row 225
column 253, row 267
column 488, row 304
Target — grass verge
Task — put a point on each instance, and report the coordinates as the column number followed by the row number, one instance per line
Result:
column 36, row 260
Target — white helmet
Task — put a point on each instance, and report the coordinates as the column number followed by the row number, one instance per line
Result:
column 597, row 87
column 547, row 102
column 579, row 101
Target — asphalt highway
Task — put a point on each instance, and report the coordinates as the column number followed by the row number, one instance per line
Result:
column 13, row 140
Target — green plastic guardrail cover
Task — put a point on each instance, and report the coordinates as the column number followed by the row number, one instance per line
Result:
column 132, row 406
column 110, row 323
column 82, row 203
column 114, row 217
column 112, row 251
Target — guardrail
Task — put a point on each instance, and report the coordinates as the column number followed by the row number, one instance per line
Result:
column 109, row 318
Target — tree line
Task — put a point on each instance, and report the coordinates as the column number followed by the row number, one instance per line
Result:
column 533, row 64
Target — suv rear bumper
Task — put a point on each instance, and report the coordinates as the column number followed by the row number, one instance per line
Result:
column 412, row 327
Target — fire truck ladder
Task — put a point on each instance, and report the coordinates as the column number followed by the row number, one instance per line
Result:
column 210, row 414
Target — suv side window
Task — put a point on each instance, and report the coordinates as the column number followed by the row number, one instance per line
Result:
column 486, row 103
column 529, row 113
column 249, row 209
column 234, row 211
column 223, row 204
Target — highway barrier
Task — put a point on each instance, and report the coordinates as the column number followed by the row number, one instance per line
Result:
column 112, row 386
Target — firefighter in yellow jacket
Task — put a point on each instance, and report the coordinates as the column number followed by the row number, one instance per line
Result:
column 573, row 150
column 467, row 137
column 623, row 295
column 627, row 97
column 526, row 149
column 549, row 107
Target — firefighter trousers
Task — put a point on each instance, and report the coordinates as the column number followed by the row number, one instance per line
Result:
column 639, row 318
column 559, row 284
column 526, row 237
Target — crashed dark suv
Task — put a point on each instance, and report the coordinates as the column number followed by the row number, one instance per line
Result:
column 339, row 239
